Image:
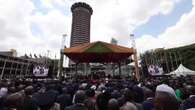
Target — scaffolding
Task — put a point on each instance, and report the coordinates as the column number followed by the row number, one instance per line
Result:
column 14, row 67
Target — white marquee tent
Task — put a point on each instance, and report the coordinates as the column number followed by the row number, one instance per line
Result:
column 182, row 70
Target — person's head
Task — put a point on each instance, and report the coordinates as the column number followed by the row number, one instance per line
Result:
column 102, row 100
column 113, row 104
column 79, row 97
column 128, row 106
column 139, row 94
column 64, row 90
column 148, row 93
column 3, row 92
column 29, row 90
column 165, row 98
column 14, row 100
column 129, row 95
column 90, row 93
column 165, row 101
column 191, row 90
column 115, row 94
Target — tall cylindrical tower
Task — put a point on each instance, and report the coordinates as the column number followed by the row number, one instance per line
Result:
column 81, row 17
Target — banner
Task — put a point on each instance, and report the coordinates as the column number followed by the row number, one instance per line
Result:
column 40, row 70
column 155, row 70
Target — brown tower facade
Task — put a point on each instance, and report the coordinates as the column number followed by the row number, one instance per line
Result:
column 81, row 17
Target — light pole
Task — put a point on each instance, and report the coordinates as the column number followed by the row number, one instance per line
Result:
column 137, row 75
column 62, row 55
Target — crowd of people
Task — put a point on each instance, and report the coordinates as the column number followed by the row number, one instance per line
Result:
column 161, row 93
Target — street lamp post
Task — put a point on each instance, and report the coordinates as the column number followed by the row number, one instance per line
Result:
column 62, row 55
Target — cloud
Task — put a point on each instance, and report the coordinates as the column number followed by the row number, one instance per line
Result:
column 178, row 35
column 119, row 18
column 16, row 21
column 111, row 18
column 148, row 42
column 52, row 26
column 15, row 27
column 166, row 7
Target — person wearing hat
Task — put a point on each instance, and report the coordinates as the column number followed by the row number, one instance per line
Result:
column 165, row 98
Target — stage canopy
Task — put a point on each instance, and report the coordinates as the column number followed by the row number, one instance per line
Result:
column 98, row 52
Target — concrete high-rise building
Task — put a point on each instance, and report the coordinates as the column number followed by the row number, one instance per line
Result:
column 81, row 17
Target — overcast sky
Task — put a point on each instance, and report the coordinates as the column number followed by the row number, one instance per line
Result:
column 35, row 26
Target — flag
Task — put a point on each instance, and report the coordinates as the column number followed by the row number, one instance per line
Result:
column 40, row 56
column 35, row 55
column 25, row 55
column 30, row 55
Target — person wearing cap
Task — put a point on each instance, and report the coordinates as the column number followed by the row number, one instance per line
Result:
column 165, row 98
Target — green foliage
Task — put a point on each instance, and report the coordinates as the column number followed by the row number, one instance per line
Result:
column 98, row 48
